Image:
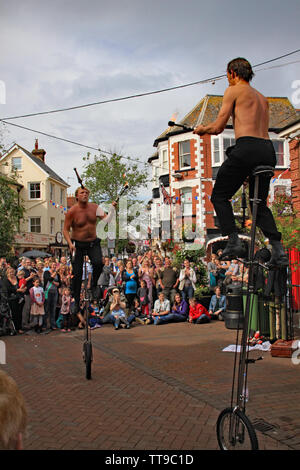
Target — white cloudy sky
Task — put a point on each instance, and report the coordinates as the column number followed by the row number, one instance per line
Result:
column 67, row 53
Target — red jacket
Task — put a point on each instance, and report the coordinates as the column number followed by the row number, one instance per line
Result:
column 197, row 311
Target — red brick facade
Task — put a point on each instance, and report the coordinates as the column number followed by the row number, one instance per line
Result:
column 295, row 173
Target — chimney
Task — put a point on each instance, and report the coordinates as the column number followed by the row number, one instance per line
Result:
column 39, row 153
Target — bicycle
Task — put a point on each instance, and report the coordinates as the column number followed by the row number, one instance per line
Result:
column 234, row 429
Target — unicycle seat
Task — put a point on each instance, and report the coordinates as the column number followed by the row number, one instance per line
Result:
column 263, row 170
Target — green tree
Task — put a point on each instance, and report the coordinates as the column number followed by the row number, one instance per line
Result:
column 287, row 220
column 11, row 211
column 106, row 175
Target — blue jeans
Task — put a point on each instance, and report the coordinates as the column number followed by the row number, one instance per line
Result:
column 50, row 309
column 187, row 292
column 169, row 318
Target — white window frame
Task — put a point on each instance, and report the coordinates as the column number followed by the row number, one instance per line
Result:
column 180, row 156
column 30, row 224
column 29, row 191
column 285, row 152
column 164, row 161
column 186, row 203
column 155, row 176
column 222, row 156
column 14, row 168
column 52, row 225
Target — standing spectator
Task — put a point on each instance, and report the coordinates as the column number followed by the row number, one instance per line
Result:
column 40, row 271
column 30, row 273
column 169, row 280
column 119, row 275
column 104, row 280
column 143, row 298
column 65, row 309
column 37, row 311
column 212, row 270
column 146, row 273
column 198, row 313
column 130, row 278
column 187, row 280
column 14, row 294
column 51, row 286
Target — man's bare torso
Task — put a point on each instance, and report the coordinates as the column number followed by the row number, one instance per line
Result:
column 250, row 112
column 83, row 222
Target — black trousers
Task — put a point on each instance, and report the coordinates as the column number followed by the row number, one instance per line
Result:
column 93, row 251
column 243, row 157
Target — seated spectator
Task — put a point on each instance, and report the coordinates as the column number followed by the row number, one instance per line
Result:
column 117, row 310
column 169, row 280
column 160, row 310
column 217, row 306
column 233, row 270
column 180, row 309
column 198, row 313
column 13, row 414
column 187, row 280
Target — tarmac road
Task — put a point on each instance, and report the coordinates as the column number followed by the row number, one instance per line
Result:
column 152, row 388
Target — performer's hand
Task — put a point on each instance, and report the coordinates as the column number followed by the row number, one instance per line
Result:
column 72, row 249
column 199, row 130
column 114, row 203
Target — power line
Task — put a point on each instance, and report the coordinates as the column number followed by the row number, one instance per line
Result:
column 113, row 100
column 71, row 141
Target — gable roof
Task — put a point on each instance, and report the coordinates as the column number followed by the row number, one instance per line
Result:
column 41, row 164
column 282, row 112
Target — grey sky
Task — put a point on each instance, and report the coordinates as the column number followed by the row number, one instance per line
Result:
column 67, row 53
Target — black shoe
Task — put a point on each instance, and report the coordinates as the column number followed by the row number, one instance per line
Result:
column 234, row 248
column 278, row 257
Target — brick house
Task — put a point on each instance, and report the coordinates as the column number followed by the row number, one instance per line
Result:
column 291, row 132
column 187, row 166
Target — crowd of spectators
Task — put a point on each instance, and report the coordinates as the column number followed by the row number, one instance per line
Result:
column 143, row 289
column 223, row 273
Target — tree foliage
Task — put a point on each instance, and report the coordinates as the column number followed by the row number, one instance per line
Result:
column 10, row 214
column 106, row 175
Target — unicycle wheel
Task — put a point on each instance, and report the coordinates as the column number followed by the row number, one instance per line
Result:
column 235, row 431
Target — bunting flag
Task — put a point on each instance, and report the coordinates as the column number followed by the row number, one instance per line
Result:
column 167, row 199
column 57, row 206
column 278, row 177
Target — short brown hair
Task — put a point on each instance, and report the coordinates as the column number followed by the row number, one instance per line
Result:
column 78, row 189
column 242, row 68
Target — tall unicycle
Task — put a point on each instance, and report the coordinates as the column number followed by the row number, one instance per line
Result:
column 87, row 350
column 234, row 429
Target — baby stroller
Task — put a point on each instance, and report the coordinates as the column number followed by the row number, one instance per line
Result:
column 7, row 326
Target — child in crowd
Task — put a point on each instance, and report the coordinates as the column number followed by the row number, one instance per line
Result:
column 65, row 309
column 21, row 277
column 197, row 312
column 37, row 312
column 142, row 294
column 94, row 315
column 117, row 310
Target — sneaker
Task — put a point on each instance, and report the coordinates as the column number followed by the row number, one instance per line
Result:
column 234, row 248
column 140, row 320
column 148, row 321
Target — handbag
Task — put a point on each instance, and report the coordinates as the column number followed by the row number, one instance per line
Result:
column 47, row 291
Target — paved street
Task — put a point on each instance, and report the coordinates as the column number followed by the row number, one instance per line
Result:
column 152, row 387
